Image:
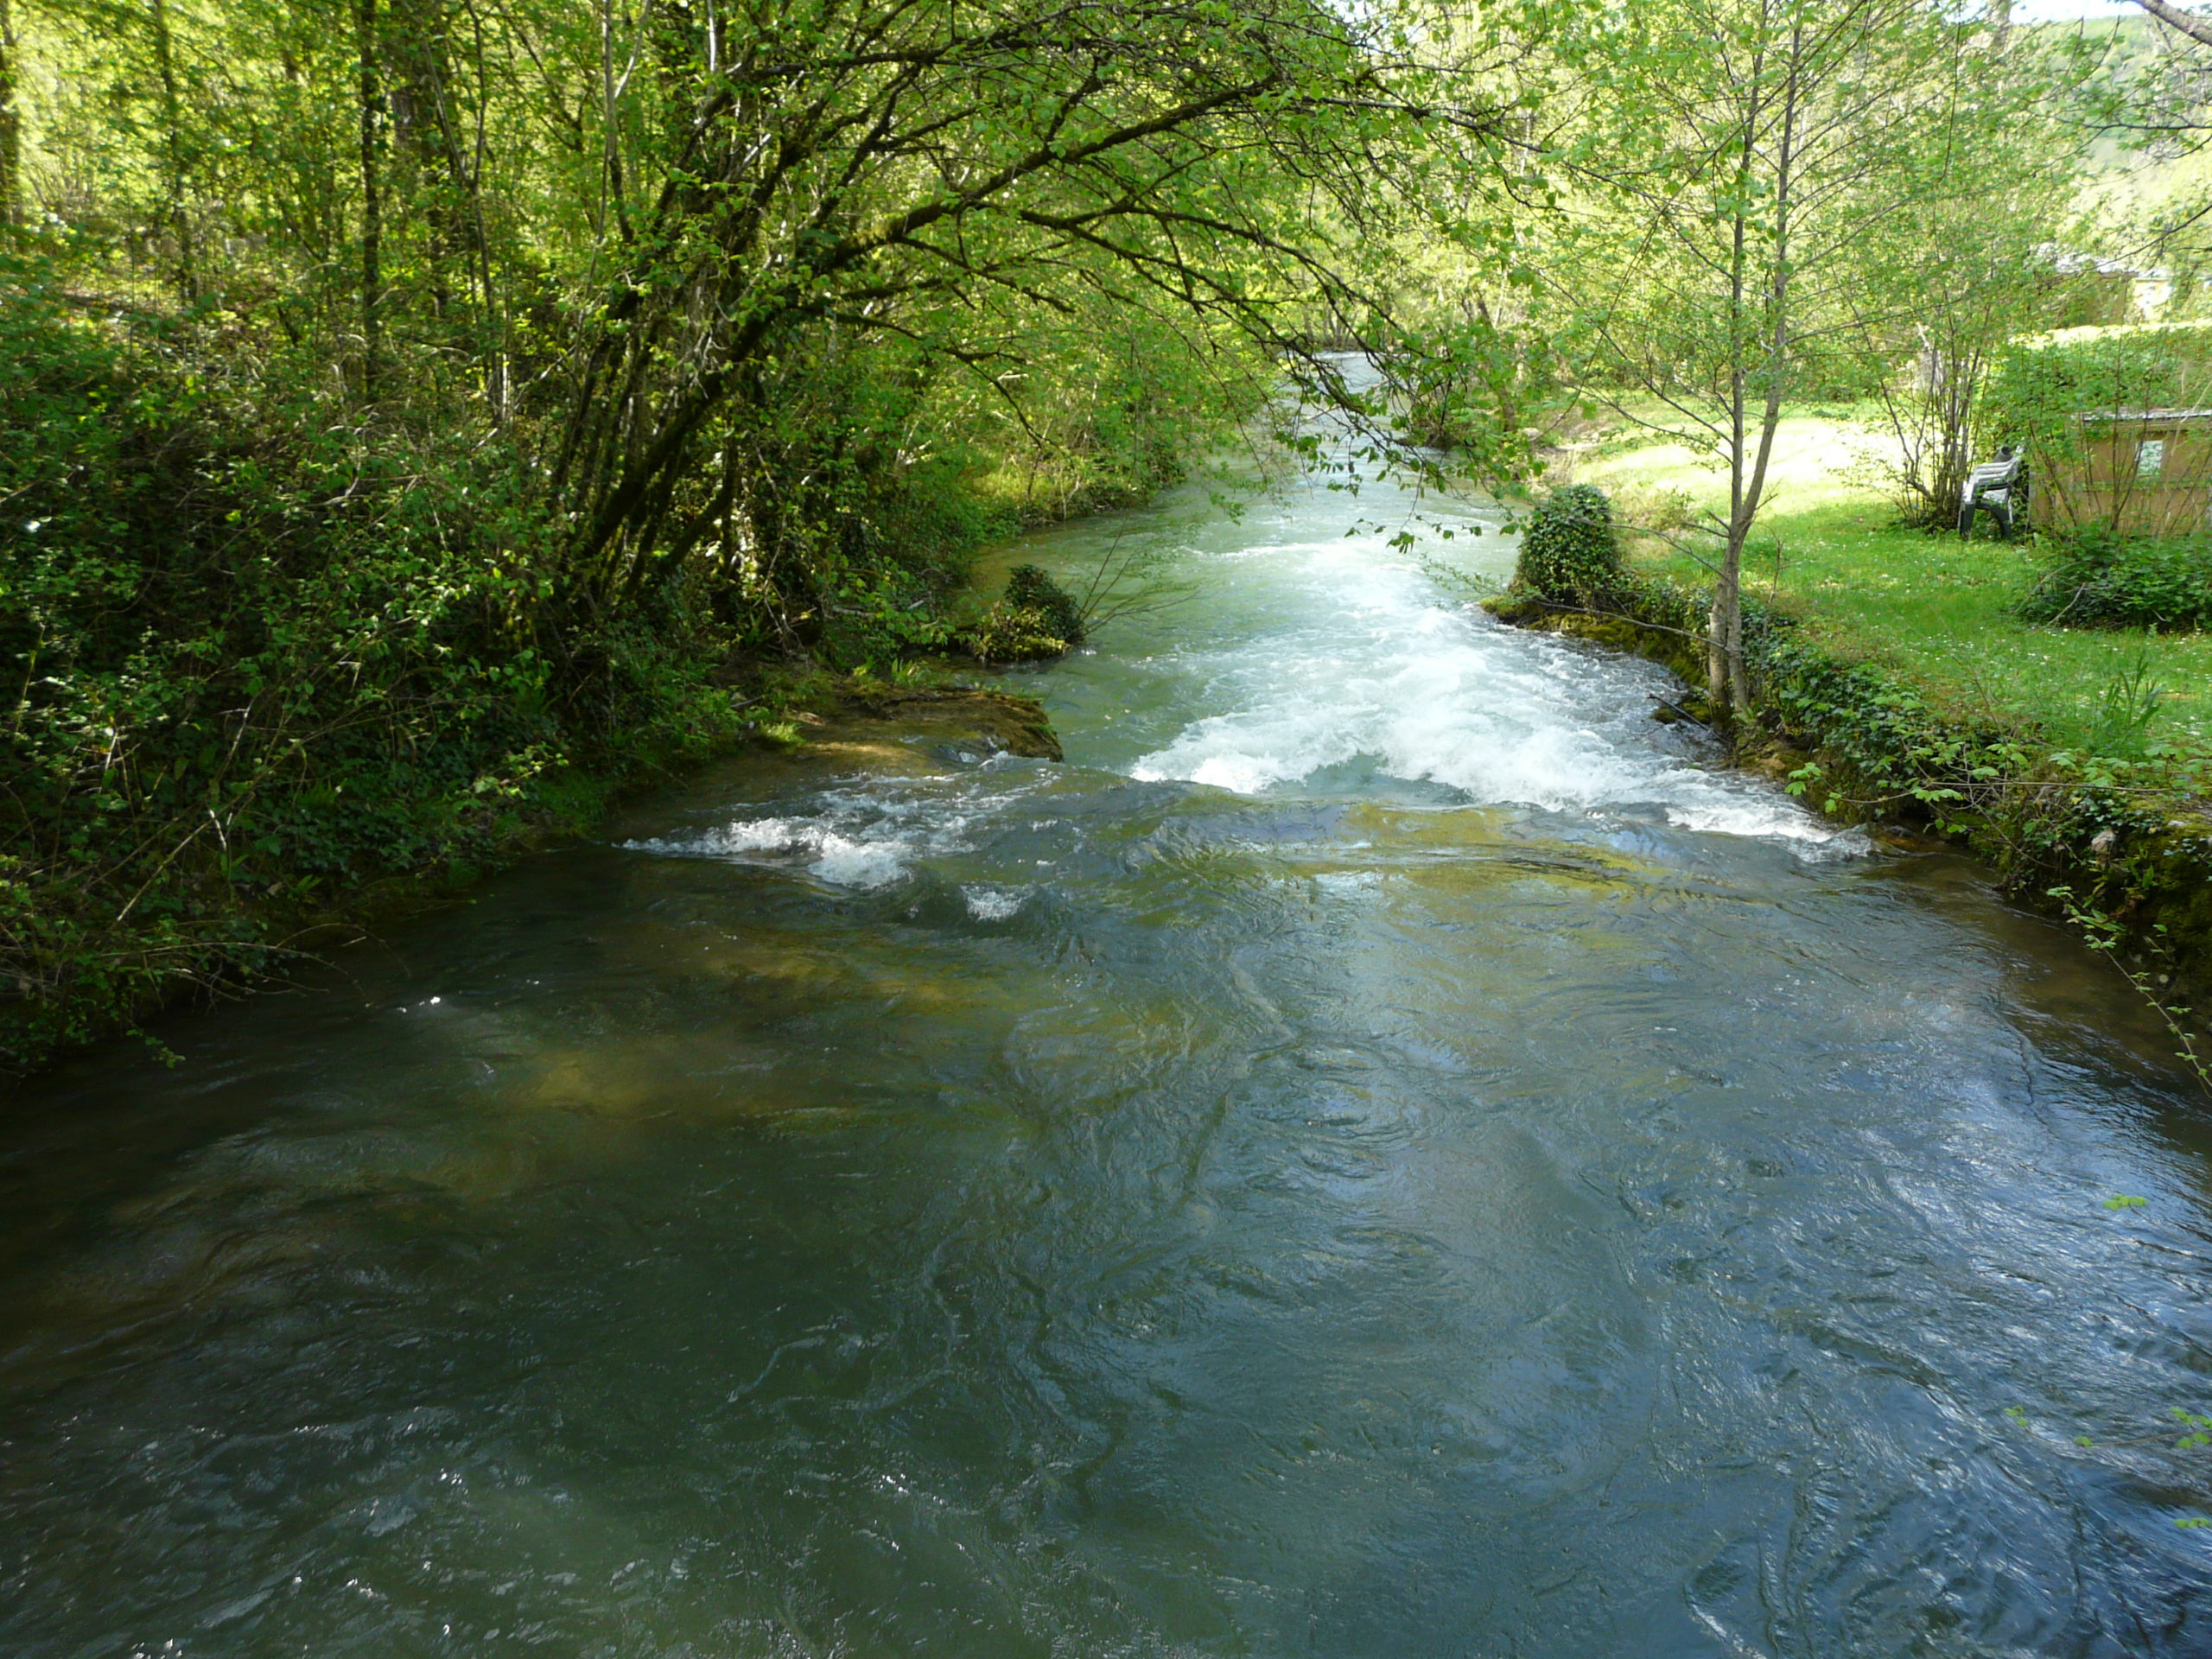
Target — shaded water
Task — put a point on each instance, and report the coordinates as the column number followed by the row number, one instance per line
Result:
column 1379, row 1155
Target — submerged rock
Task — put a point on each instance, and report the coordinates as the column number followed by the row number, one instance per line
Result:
column 891, row 716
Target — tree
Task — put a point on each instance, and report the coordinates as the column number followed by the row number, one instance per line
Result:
column 1981, row 271
column 874, row 171
column 11, row 126
column 1742, row 181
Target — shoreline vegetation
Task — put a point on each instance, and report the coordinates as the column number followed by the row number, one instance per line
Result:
column 1894, row 684
column 416, row 425
column 283, row 679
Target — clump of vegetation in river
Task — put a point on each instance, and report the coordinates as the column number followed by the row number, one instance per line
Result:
column 1029, row 588
column 1570, row 554
column 1035, row 620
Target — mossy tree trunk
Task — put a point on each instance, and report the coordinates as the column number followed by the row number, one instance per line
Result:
column 372, row 111
column 11, row 128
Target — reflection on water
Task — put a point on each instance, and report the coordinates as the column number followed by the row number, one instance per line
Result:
column 1379, row 1155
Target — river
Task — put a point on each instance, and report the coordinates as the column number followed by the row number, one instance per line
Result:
column 1383, row 1153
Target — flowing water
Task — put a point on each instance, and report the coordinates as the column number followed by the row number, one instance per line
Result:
column 1380, row 1153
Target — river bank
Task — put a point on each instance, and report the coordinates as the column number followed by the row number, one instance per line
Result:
column 1900, row 683
column 2122, row 850
column 274, row 928
column 1382, row 1138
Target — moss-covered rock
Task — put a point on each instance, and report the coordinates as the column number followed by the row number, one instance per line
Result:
column 989, row 719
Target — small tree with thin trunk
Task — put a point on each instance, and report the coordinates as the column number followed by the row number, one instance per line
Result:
column 11, row 126
column 1740, row 180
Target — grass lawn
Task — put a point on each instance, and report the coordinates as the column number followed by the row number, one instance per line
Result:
column 1935, row 610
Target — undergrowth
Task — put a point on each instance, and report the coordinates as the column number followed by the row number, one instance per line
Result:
column 261, row 660
column 2096, row 579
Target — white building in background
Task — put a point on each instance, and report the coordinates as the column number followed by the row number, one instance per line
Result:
column 2151, row 288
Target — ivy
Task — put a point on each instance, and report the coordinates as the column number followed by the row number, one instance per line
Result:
column 1569, row 553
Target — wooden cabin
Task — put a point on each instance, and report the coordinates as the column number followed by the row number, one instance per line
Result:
column 2140, row 472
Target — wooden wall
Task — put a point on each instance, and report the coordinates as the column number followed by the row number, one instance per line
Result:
column 2114, row 477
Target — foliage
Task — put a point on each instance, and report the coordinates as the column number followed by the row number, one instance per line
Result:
column 2125, row 712
column 1569, row 553
column 1120, row 407
column 2105, row 933
column 2098, row 580
column 1470, row 376
column 1027, row 587
column 260, row 663
column 1008, row 633
column 1037, row 619
column 2044, row 382
column 1756, row 191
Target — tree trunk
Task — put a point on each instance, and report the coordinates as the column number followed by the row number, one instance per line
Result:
column 1728, row 676
column 365, row 27
column 1723, row 635
column 176, row 186
column 11, row 130
column 1724, row 629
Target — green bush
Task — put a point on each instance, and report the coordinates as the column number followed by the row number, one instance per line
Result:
column 1037, row 620
column 258, row 662
column 1013, row 633
column 2101, row 580
column 1569, row 553
column 1027, row 587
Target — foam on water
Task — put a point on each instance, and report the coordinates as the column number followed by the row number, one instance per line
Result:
column 992, row 904
column 1371, row 661
column 862, row 838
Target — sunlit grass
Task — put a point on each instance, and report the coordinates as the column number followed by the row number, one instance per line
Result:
column 1933, row 609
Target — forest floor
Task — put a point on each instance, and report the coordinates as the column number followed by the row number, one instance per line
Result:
column 1936, row 612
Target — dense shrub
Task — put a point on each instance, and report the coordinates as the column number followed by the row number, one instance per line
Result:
column 1027, row 587
column 1013, row 633
column 1570, row 554
column 258, row 662
column 2102, row 581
